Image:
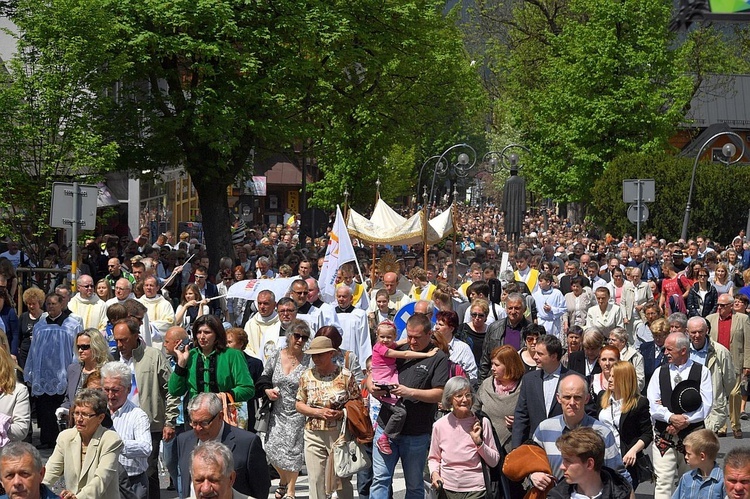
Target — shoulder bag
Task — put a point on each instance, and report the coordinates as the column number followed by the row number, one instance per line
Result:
column 349, row 457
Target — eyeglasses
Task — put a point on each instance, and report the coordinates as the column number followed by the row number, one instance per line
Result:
column 83, row 347
column 300, row 336
column 722, row 305
column 702, row 275
column 203, row 424
column 300, row 292
column 286, row 311
column 83, row 415
column 85, row 285
column 477, row 314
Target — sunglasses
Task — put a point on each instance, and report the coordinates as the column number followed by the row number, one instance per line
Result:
column 476, row 314
column 298, row 336
column 84, row 347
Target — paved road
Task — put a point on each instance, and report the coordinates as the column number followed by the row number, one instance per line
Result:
column 644, row 491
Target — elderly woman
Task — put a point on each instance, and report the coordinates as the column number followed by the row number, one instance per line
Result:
column 33, row 298
column 323, row 391
column 619, row 338
column 460, row 442
column 279, row 383
column 211, row 366
column 578, row 303
column 343, row 358
column 87, row 455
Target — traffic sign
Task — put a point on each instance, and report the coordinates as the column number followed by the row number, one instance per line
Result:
column 62, row 214
column 630, row 189
column 633, row 213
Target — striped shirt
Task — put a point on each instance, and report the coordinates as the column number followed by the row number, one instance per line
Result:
column 551, row 429
column 134, row 428
column 693, row 486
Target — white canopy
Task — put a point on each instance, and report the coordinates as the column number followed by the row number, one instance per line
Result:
column 385, row 226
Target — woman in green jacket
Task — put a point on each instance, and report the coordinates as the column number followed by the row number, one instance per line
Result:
column 210, row 366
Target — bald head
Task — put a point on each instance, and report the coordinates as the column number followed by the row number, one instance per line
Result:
column 173, row 337
column 390, row 282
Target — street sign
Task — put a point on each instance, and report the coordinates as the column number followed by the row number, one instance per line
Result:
column 62, row 214
column 630, row 190
column 633, row 213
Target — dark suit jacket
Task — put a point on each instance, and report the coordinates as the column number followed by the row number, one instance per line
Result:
column 577, row 363
column 565, row 284
column 74, row 376
column 530, row 409
column 214, row 305
column 249, row 461
column 635, row 425
column 648, row 350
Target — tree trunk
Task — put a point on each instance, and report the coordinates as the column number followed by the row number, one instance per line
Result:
column 214, row 206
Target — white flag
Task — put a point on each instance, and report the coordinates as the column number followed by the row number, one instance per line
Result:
column 339, row 251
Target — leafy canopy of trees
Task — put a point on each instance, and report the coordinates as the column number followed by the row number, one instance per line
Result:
column 202, row 83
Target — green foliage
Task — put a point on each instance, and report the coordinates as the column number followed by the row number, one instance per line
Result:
column 46, row 135
column 719, row 191
column 201, row 83
column 607, row 83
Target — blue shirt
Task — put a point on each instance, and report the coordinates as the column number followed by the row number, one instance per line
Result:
column 693, row 486
column 699, row 356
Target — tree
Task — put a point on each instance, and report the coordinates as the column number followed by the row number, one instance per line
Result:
column 45, row 131
column 609, row 83
column 201, row 84
column 719, row 190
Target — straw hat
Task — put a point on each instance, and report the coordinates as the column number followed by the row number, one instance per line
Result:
column 320, row 344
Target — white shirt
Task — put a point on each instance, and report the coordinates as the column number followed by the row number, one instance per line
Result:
column 133, row 427
column 549, row 382
column 659, row 412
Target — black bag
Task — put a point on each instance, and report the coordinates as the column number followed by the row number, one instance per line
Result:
column 496, row 484
column 644, row 468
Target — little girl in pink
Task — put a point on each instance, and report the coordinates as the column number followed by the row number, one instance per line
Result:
column 385, row 376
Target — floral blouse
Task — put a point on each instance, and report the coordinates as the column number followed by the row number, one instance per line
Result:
column 330, row 391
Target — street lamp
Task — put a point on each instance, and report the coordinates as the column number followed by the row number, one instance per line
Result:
column 728, row 151
column 463, row 165
column 494, row 161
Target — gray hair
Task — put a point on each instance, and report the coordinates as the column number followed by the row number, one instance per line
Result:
column 516, row 297
column 264, row 259
column 210, row 400
column 117, row 370
column 91, row 398
column 430, row 307
column 345, row 288
column 620, row 334
column 678, row 318
column 700, row 321
column 17, row 450
column 267, row 292
column 681, row 340
column 297, row 326
column 737, row 458
column 211, row 451
column 454, row 385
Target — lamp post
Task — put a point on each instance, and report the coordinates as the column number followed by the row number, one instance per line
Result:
column 465, row 161
column 728, row 151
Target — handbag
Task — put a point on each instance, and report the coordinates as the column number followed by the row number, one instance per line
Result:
column 349, row 457
column 644, row 468
column 263, row 415
column 229, row 406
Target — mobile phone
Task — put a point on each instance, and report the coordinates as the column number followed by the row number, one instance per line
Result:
column 383, row 386
column 184, row 344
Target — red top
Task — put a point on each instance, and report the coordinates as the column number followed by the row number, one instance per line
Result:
column 725, row 326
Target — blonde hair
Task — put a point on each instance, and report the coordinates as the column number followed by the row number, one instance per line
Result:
column 7, row 371
column 703, row 441
column 626, row 383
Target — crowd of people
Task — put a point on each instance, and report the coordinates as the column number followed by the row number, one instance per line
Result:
column 624, row 361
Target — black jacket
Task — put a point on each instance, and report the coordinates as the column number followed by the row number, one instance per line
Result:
column 709, row 304
column 614, row 487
